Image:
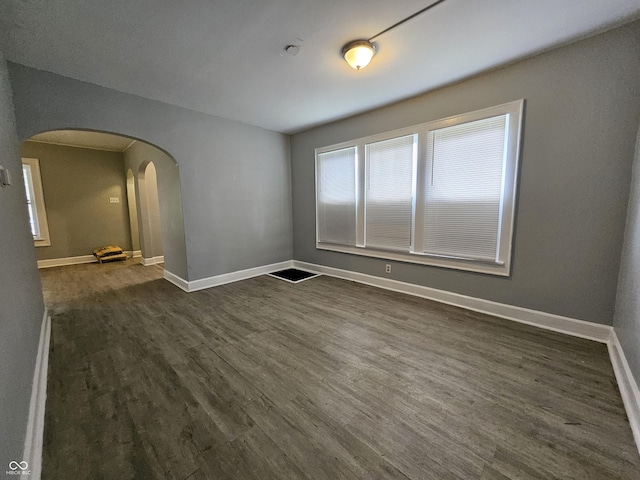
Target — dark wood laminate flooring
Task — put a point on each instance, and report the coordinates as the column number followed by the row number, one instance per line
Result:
column 326, row 379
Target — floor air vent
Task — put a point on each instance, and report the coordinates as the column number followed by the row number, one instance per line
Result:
column 293, row 275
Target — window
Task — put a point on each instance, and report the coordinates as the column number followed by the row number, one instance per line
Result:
column 35, row 202
column 388, row 196
column 440, row 193
column 337, row 197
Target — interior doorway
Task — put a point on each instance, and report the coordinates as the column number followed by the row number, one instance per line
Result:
column 148, row 207
column 103, row 189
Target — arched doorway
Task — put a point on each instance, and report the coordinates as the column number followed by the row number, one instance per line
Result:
column 141, row 208
column 148, row 206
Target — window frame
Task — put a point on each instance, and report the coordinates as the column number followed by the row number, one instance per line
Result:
column 37, row 192
column 515, row 110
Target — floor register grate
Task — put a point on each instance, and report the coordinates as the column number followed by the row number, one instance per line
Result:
column 293, row 275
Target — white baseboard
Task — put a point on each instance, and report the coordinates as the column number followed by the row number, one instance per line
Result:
column 549, row 321
column 176, row 280
column 61, row 262
column 136, row 254
column 152, row 260
column 35, row 426
column 209, row 282
column 627, row 385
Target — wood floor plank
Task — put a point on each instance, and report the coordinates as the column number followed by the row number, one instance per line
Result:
column 326, row 379
column 263, row 457
column 336, row 438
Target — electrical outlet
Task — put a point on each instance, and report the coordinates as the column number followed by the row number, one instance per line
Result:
column 387, row 268
column 114, row 200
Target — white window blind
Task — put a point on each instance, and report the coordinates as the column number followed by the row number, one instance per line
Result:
column 464, row 184
column 336, row 196
column 389, row 192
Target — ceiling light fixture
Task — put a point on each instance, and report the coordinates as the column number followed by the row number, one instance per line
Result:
column 359, row 53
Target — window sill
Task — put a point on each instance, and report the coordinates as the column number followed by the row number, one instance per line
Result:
column 499, row 269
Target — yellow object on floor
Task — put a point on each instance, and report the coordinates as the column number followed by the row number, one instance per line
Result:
column 109, row 253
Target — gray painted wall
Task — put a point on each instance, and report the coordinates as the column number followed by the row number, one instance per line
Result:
column 21, row 304
column 627, row 317
column 77, row 184
column 582, row 112
column 234, row 178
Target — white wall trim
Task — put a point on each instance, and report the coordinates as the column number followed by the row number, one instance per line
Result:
column 548, row 321
column 61, row 262
column 129, row 146
column 136, row 253
column 35, row 425
column 627, row 385
column 86, row 147
column 209, row 282
column 176, row 280
column 152, row 260
column 202, row 283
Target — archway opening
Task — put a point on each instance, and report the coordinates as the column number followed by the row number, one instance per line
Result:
column 150, row 218
column 102, row 189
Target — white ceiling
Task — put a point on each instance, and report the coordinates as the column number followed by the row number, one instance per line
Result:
column 224, row 57
column 78, row 138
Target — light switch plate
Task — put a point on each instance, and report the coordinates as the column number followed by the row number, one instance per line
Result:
column 114, row 200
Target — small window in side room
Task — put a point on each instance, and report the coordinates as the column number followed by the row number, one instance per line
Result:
column 35, row 202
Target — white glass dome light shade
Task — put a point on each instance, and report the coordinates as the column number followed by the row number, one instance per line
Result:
column 358, row 54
